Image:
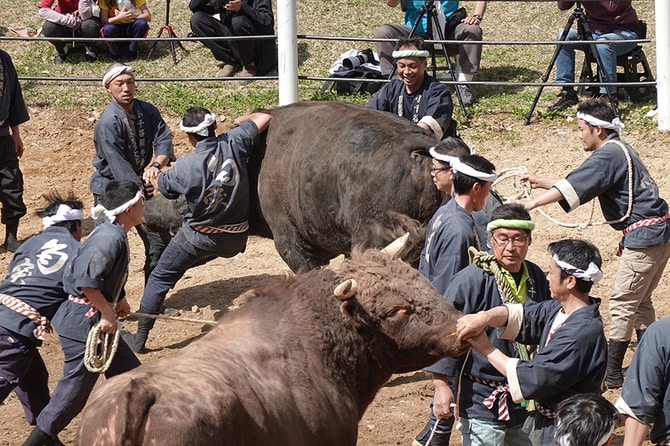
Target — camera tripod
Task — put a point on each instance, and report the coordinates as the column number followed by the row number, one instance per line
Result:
column 170, row 33
column 583, row 34
column 433, row 22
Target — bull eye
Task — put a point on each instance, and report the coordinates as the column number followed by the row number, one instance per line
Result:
column 393, row 312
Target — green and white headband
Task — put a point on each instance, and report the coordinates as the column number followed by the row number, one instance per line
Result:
column 410, row 53
column 512, row 224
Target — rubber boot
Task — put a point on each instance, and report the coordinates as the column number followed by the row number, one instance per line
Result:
column 439, row 438
column 38, row 438
column 137, row 341
column 11, row 241
column 615, row 355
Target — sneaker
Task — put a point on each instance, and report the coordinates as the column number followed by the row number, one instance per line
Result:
column 60, row 58
column 604, row 97
column 564, row 100
column 89, row 55
column 227, row 70
column 132, row 56
column 466, row 95
column 248, row 71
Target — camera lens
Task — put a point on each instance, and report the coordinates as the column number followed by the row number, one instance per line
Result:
column 354, row 61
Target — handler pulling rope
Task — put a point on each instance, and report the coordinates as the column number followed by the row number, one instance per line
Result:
column 523, row 191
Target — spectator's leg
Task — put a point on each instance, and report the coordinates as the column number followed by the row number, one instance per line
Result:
column 204, row 25
column 609, row 53
column 385, row 49
column 469, row 57
column 90, row 28
column 138, row 29
column 565, row 72
column 110, row 30
column 50, row 29
column 243, row 50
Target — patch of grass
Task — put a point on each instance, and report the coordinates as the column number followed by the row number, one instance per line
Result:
column 503, row 21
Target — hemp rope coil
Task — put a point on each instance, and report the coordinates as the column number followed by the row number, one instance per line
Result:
column 100, row 348
column 523, row 192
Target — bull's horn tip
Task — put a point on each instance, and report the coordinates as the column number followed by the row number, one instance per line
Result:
column 346, row 289
column 396, row 245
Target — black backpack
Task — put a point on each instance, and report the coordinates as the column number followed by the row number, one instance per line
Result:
column 353, row 68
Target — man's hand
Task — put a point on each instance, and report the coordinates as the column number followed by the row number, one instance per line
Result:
column 233, row 5
column 481, row 343
column 122, row 308
column 444, row 401
column 471, row 325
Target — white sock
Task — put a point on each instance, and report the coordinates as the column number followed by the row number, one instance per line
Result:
column 462, row 77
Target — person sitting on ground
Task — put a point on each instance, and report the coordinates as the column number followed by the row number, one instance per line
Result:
column 212, row 18
column 585, row 419
column 125, row 18
column 608, row 20
column 568, row 330
column 215, row 183
column 416, row 96
column 30, row 294
column 67, row 20
column 465, row 28
column 94, row 280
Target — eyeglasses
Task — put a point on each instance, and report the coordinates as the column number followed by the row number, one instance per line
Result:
column 439, row 169
column 517, row 242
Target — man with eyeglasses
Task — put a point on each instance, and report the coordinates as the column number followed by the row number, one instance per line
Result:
column 630, row 202
column 451, row 232
column 487, row 415
column 572, row 348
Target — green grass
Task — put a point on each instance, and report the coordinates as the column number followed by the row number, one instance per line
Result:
column 503, row 21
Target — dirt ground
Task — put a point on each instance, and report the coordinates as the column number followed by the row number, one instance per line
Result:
column 59, row 149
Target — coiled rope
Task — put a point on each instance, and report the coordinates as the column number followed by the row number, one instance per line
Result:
column 523, row 191
column 100, row 348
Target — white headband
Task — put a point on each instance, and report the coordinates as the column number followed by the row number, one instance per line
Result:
column 460, row 166
column 100, row 213
column 116, row 71
column 566, row 440
column 442, row 157
column 410, row 53
column 592, row 273
column 616, row 123
column 202, row 128
column 63, row 213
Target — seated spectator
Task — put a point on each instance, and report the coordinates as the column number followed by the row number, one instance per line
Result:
column 228, row 18
column 70, row 18
column 585, row 419
column 416, row 96
column 608, row 20
column 468, row 28
column 132, row 20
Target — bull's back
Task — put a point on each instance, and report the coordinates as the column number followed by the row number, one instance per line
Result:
column 333, row 171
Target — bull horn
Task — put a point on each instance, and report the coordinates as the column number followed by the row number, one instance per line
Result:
column 396, row 246
column 346, row 289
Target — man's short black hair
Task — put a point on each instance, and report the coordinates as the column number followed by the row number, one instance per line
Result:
column 584, row 419
column 416, row 42
column 54, row 200
column 451, row 146
column 598, row 108
column 462, row 182
column 118, row 192
column 578, row 253
column 193, row 117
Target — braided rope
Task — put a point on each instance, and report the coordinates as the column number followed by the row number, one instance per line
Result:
column 100, row 348
column 523, row 192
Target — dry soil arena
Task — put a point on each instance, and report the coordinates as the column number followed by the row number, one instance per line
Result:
column 58, row 155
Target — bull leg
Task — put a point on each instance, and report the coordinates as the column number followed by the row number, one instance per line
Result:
column 299, row 255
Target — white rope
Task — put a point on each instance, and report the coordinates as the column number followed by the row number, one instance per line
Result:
column 523, row 191
column 100, row 348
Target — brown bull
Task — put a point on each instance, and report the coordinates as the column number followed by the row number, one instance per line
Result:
column 296, row 365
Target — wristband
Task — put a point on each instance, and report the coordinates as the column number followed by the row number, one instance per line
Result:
column 157, row 165
column 478, row 17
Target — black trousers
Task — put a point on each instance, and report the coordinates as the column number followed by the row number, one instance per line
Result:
column 11, row 182
column 238, row 52
column 89, row 28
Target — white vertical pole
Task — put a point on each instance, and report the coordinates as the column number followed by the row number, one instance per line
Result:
column 287, row 39
column 663, row 63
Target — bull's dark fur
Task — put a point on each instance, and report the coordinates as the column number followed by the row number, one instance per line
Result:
column 336, row 175
column 294, row 366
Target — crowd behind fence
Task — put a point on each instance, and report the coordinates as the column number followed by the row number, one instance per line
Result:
column 156, row 40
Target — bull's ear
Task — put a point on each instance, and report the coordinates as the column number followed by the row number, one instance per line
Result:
column 355, row 314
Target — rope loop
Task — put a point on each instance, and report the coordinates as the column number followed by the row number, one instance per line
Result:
column 101, row 348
